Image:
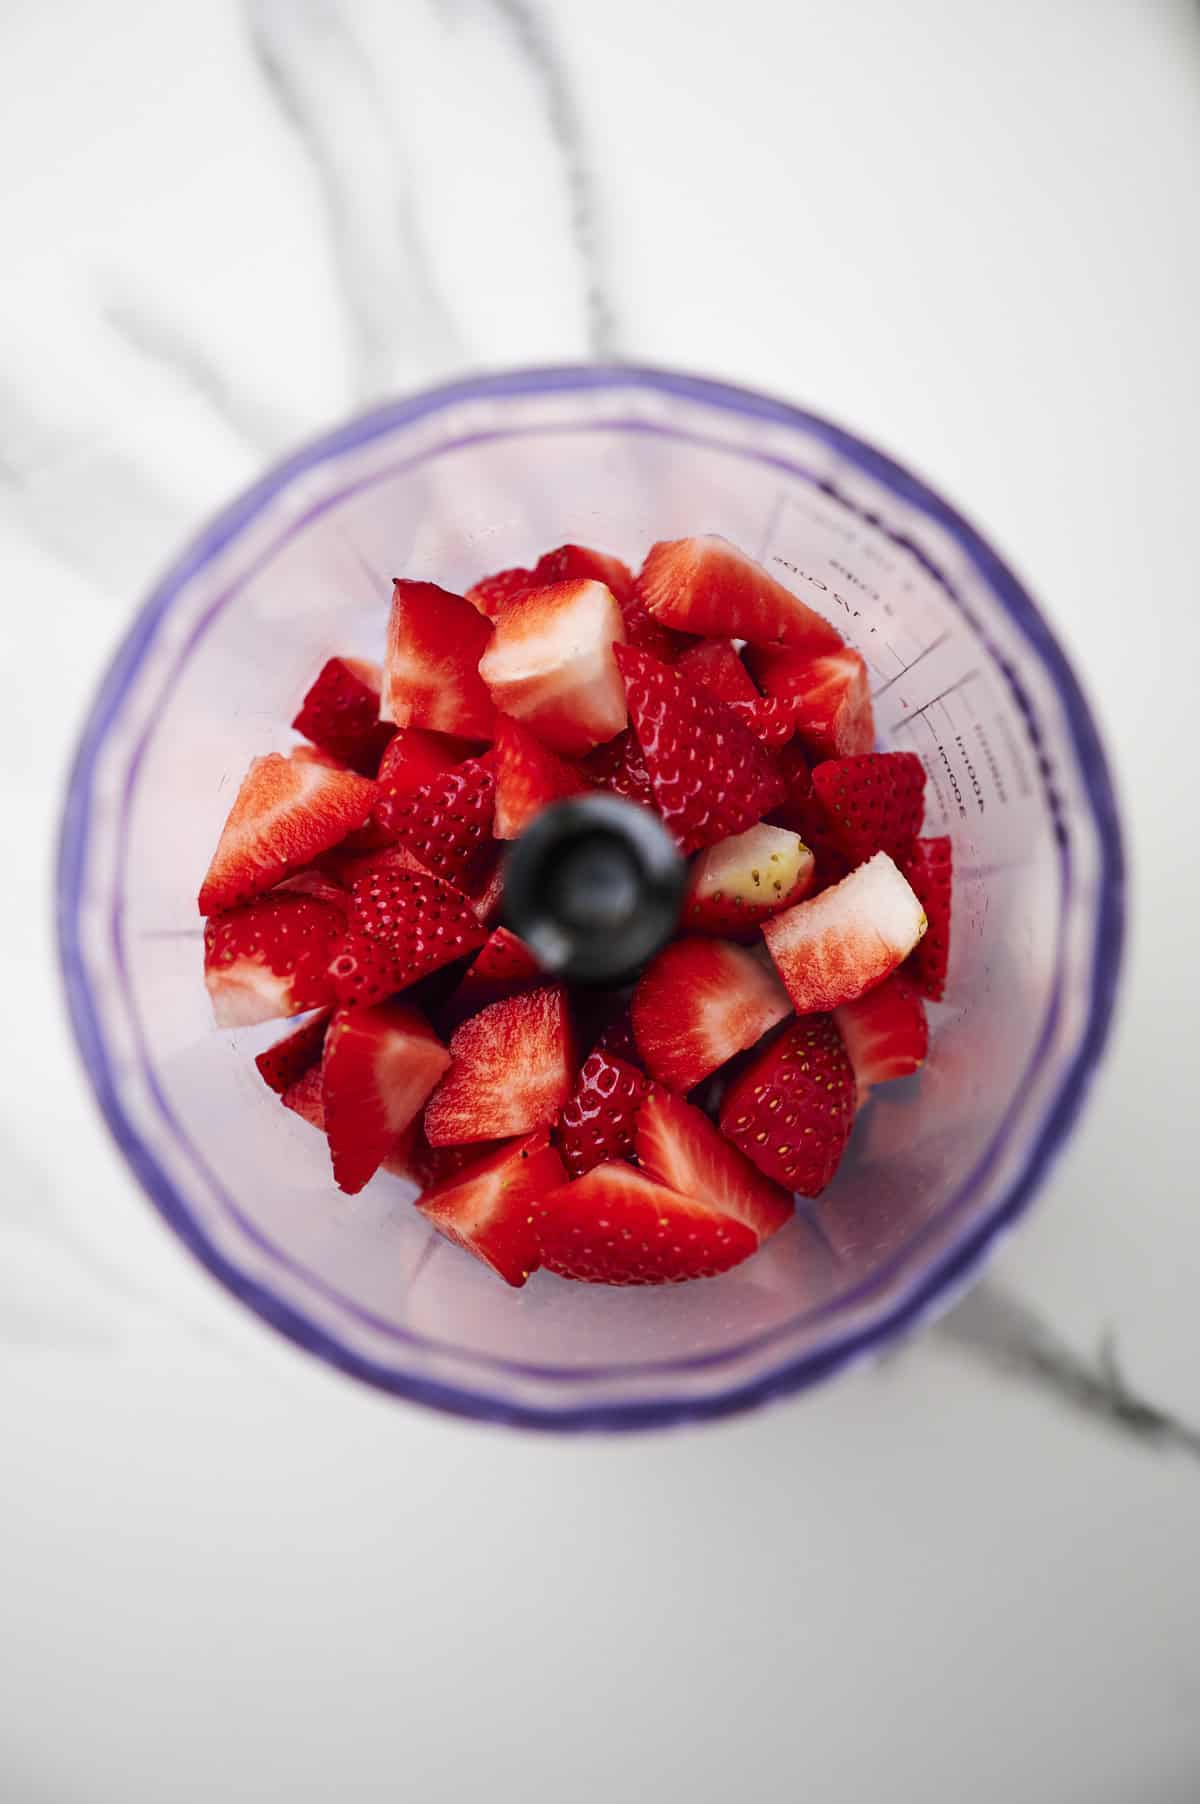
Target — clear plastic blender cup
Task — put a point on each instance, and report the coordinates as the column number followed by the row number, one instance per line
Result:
column 451, row 484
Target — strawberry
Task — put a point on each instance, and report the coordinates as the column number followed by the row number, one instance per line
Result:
column 792, row 1108
column 928, row 865
column 697, row 1004
column 340, row 714
column 415, row 757
column 706, row 585
column 419, row 921
column 617, row 1226
column 743, row 881
column 528, row 778
column 487, row 1207
column 710, row 776
column 550, row 664
column 714, row 664
column 431, row 673
column 771, row 719
column 365, row 971
column 512, row 1071
column 486, row 900
column 380, row 1065
column 618, row 1042
column 430, row 1165
column 285, row 1063
column 830, row 694
column 492, row 593
column 873, row 803
column 446, row 823
column 884, row 1032
column 801, row 812
column 306, row 1098
column 501, row 967
column 287, row 812
column 641, row 629
column 834, row 946
column 270, row 958
column 620, row 767
column 679, row 1146
column 599, row 1117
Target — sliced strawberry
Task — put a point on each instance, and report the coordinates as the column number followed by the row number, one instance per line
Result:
column 714, row 664
column 706, row 585
column 431, row 673
column 884, row 1032
column 550, row 663
column 446, row 823
column 502, row 966
column 340, row 714
column 528, row 778
column 487, row 1208
column 771, row 719
column 792, row 1108
column 600, row 1116
column 491, row 593
column 288, row 811
column 420, row 921
column 431, row 1165
column 513, row 1069
column 620, row 767
column 415, row 757
column 835, row 946
column 641, row 629
column 740, row 882
column 486, row 900
column 699, row 1003
column 678, row 1145
column 617, row 1226
column 831, row 696
column 270, row 958
column 306, row 1098
column 380, row 1065
column 710, row 776
column 618, row 1042
column 285, row 1063
column 874, row 803
column 928, row 864
column 365, row 971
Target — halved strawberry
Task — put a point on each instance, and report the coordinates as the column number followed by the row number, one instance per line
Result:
column 710, row 776
column 792, row 1108
column 873, row 803
column 620, row 767
column 287, row 812
column 491, row 593
column 928, row 865
column 340, row 714
column 487, row 1208
column 830, row 693
column 446, row 823
column 699, row 1003
column 740, row 882
column 285, row 1063
column 431, row 672
column 550, row 663
column 306, row 1098
column 884, row 1032
column 714, row 664
column 528, row 777
column 421, row 921
column 678, row 1145
column 706, row 585
column 513, row 1069
column 380, row 1065
column 270, row 958
column 834, row 946
column 599, row 1118
column 617, row 1226
column 501, row 967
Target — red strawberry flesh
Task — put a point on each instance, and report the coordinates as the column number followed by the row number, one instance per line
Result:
column 928, row 865
column 431, row 671
column 599, row 1119
column 270, row 958
column 340, row 714
column 528, row 778
column 700, row 1002
column 287, row 812
column 446, row 823
column 285, row 1063
column 617, row 1226
column 550, row 664
column 791, row 1110
column 512, row 1071
column 678, row 1145
column 832, row 947
column 884, row 1032
column 706, row 585
column 380, row 1065
column 487, row 1206
column 873, row 803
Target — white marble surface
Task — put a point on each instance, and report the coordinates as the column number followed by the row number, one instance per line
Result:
column 969, row 231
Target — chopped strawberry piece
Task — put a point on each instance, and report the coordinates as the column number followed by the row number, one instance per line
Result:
column 431, row 1165
column 929, row 867
column 706, row 585
column 699, row 1003
column 740, row 882
column 285, row 1063
column 575, row 563
column 431, row 672
column 832, row 947
column 550, row 664
column 617, row 1226
column 884, row 1032
column 620, row 767
column 487, row 1208
column 415, row 757
column 270, row 958
column 528, row 778
column 513, row 1069
column 288, row 811
column 502, row 966
column 340, row 714
column 306, row 1098
column 714, row 664
column 618, row 1042
column 446, row 823
column 830, row 694
column 380, row 1065
column 365, row 971
column 678, row 1145
column 874, row 803
column 491, row 594
column 421, row 921
column 599, row 1119
column 792, row 1109
column 486, row 900
column 770, row 718
column 710, row 776
column 801, row 812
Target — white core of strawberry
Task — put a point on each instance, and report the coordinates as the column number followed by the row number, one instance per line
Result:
column 552, row 663
column 840, row 943
column 764, row 865
column 247, row 992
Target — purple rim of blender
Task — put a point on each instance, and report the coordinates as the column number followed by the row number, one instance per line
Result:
column 947, row 1275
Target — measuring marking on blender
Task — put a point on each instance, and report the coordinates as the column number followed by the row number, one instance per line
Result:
column 923, row 653
column 939, row 697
